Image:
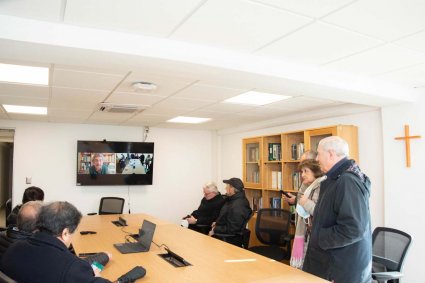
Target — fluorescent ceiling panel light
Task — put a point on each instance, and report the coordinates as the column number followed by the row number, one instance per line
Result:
column 24, row 74
column 256, row 98
column 188, row 120
column 25, row 109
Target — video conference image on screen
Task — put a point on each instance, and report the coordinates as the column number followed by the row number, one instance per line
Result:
column 96, row 163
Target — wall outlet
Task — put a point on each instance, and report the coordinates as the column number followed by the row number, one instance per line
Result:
column 28, row 180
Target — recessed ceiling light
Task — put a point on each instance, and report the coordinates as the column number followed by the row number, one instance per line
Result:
column 24, row 74
column 25, row 109
column 189, row 120
column 256, row 98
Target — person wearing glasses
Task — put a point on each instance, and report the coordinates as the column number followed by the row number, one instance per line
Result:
column 208, row 210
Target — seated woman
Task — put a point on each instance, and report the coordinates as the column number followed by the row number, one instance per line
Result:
column 31, row 193
column 311, row 177
column 208, row 210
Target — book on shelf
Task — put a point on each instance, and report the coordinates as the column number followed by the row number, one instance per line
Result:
column 296, row 180
column 276, row 202
column 276, row 179
column 275, row 151
column 297, row 149
column 253, row 154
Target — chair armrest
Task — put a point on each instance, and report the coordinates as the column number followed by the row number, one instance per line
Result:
column 92, row 213
column 384, row 276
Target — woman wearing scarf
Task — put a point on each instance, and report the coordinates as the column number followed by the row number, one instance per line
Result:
column 308, row 194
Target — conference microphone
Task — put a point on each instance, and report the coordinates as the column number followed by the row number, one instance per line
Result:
column 131, row 276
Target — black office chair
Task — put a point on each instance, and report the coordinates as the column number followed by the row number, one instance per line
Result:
column 240, row 239
column 8, row 209
column 110, row 205
column 6, row 279
column 272, row 229
column 389, row 248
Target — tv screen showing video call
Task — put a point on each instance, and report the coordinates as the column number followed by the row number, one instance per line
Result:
column 114, row 163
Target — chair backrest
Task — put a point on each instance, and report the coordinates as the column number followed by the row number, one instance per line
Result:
column 6, row 279
column 272, row 226
column 8, row 207
column 111, row 205
column 389, row 248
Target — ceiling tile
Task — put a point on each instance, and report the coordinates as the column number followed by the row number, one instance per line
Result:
column 22, row 90
column 76, row 98
column 85, row 80
column 384, row 19
column 318, row 43
column 208, row 114
column 147, row 17
column 228, row 107
column 166, row 85
column 24, row 101
column 237, row 24
column 412, row 76
column 415, row 42
column 378, row 60
column 112, row 118
column 34, row 118
column 299, row 103
column 209, row 92
column 165, row 111
column 312, row 8
column 134, row 98
column 181, row 103
column 47, row 10
column 267, row 112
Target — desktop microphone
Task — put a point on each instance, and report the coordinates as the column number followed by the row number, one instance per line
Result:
column 131, row 276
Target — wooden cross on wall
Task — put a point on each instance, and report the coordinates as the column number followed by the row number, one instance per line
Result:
column 407, row 138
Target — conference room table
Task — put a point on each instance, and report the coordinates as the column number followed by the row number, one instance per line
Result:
column 211, row 260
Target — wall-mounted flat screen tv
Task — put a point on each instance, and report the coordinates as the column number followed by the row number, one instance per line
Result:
column 102, row 163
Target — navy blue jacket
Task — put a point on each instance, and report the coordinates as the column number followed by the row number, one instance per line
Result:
column 43, row 258
column 340, row 246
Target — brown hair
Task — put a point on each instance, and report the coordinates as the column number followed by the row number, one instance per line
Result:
column 313, row 165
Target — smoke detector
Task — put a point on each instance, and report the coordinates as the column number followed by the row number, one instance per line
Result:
column 120, row 108
column 144, row 86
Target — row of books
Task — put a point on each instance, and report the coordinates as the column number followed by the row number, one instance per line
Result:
column 254, row 154
column 296, row 180
column 297, row 149
column 254, row 177
column 257, row 203
column 275, row 152
column 276, row 180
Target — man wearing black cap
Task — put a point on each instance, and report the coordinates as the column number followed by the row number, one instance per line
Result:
column 235, row 213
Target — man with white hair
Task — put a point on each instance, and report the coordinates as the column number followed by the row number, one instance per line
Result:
column 340, row 247
column 201, row 219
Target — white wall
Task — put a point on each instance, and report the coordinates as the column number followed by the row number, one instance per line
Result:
column 47, row 152
column 404, row 187
column 370, row 151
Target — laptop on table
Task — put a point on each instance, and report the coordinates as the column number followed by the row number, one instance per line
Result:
column 143, row 241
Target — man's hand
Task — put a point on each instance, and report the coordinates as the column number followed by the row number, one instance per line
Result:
column 192, row 220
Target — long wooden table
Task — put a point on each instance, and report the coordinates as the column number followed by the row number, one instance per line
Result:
column 212, row 260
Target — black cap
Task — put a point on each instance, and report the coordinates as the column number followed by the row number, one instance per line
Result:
column 235, row 183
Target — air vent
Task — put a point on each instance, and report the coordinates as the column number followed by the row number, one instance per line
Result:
column 120, row 108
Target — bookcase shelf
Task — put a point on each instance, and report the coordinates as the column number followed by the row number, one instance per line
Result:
column 270, row 163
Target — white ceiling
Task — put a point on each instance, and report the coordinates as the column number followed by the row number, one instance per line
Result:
column 333, row 56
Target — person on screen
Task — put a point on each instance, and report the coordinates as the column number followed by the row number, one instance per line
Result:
column 98, row 168
column 30, row 193
column 44, row 257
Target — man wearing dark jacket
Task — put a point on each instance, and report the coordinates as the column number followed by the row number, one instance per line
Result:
column 208, row 210
column 44, row 257
column 236, row 211
column 340, row 248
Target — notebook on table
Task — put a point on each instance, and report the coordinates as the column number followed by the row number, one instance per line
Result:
column 144, row 240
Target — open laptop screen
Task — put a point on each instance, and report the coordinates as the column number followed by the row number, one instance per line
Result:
column 146, row 233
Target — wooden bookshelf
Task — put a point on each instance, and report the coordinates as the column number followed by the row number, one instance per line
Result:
column 267, row 172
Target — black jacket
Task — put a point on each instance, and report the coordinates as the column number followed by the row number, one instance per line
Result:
column 234, row 215
column 340, row 246
column 43, row 258
column 208, row 210
column 8, row 237
column 13, row 216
